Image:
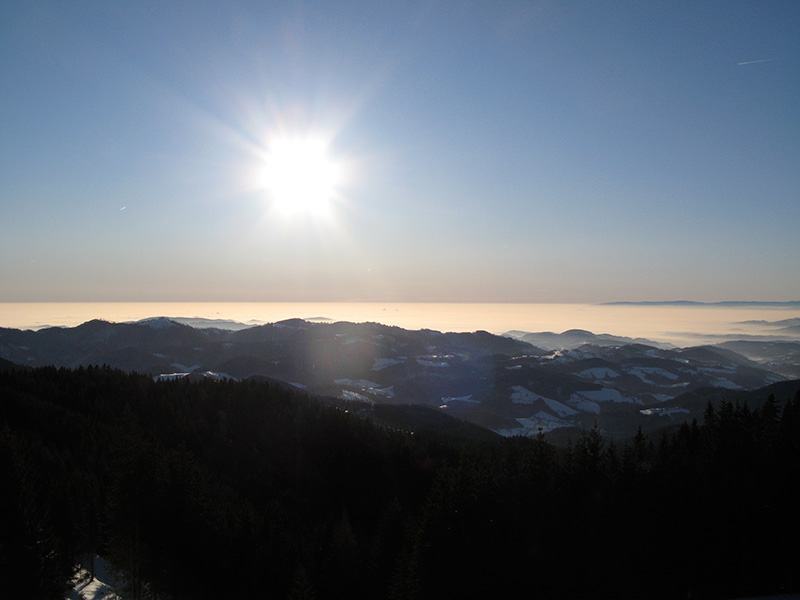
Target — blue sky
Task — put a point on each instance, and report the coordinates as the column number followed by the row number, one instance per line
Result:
column 540, row 152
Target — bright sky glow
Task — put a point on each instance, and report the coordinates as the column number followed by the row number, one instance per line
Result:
column 300, row 176
column 399, row 151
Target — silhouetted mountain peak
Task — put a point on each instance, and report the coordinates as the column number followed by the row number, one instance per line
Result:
column 158, row 322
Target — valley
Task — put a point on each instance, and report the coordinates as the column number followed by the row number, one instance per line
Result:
column 520, row 383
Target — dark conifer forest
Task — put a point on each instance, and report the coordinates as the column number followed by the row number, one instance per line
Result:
column 222, row 489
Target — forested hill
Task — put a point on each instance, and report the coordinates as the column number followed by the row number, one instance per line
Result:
column 222, row 489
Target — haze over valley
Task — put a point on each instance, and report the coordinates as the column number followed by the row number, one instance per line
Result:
column 519, row 383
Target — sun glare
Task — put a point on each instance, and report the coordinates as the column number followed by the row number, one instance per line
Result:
column 300, row 177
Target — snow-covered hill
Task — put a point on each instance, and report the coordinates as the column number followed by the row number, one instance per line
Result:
column 503, row 383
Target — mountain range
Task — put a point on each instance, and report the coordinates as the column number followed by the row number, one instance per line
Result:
column 519, row 383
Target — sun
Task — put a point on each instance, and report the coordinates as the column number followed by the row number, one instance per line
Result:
column 300, row 176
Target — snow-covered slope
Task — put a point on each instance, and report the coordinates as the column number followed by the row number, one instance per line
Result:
column 101, row 587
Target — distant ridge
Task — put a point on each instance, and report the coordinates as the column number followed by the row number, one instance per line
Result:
column 792, row 303
column 196, row 322
column 514, row 387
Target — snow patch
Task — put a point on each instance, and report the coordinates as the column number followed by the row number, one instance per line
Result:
column 540, row 419
column 467, row 399
column 567, row 356
column 584, row 405
column 678, row 385
column 365, row 385
column 531, row 426
column 170, row 376
column 561, row 409
column 206, row 374
column 388, row 392
column 724, row 383
column 431, row 363
column 217, row 376
column 84, row 587
column 598, row 373
column 603, row 395
column 726, row 370
column 522, row 395
column 382, row 363
column 642, row 372
column 663, row 412
column 350, row 395
column 359, row 383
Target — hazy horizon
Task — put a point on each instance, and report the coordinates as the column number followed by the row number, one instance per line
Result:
column 414, row 152
column 676, row 325
column 505, row 167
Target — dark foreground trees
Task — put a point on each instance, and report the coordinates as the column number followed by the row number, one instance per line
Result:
column 226, row 489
